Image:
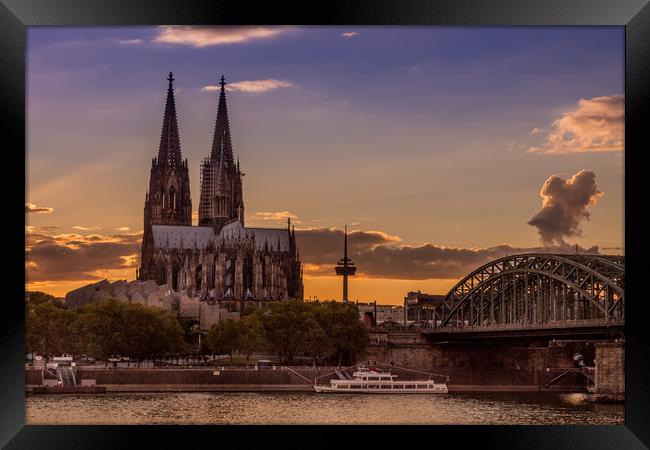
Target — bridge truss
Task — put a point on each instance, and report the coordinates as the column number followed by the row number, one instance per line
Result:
column 537, row 288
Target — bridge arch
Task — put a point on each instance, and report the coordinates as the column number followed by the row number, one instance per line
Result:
column 537, row 288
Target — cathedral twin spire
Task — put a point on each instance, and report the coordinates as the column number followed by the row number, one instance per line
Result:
column 169, row 151
column 221, row 197
column 221, row 142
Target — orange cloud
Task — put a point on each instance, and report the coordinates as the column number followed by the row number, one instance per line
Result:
column 205, row 36
column 32, row 208
column 595, row 125
column 72, row 257
column 273, row 215
column 82, row 228
column 380, row 255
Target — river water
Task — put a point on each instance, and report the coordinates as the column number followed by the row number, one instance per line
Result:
column 313, row 408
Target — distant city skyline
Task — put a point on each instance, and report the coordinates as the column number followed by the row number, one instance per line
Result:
column 440, row 147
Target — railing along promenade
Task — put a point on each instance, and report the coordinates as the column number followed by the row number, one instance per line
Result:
column 208, row 367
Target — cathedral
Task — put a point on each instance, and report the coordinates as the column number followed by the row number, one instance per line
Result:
column 221, row 258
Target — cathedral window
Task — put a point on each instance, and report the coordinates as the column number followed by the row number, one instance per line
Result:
column 175, row 277
column 172, row 199
column 198, row 276
column 161, row 272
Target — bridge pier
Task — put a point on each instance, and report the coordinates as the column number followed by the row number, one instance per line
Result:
column 610, row 371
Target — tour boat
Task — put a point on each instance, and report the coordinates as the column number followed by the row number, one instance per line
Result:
column 376, row 381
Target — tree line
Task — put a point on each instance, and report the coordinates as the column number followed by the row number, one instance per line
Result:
column 321, row 330
column 101, row 329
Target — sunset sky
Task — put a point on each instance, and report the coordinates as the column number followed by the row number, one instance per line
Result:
column 441, row 148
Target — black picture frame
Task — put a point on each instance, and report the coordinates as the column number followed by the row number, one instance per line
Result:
column 634, row 15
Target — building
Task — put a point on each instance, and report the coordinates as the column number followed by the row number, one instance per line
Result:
column 221, row 258
column 372, row 314
column 420, row 307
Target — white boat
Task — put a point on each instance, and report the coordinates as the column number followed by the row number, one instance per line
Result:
column 376, row 381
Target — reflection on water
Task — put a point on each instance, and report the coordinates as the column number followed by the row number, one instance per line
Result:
column 312, row 408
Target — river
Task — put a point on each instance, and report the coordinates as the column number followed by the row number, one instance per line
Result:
column 313, row 408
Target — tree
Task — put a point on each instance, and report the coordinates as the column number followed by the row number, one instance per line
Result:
column 287, row 326
column 38, row 298
column 317, row 343
column 223, row 337
column 252, row 336
column 49, row 328
column 344, row 330
column 102, row 329
column 109, row 327
column 190, row 330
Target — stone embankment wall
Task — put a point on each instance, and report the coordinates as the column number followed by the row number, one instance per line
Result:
column 610, row 370
column 192, row 376
column 516, row 363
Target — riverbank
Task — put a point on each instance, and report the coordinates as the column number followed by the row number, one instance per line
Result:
column 225, row 379
column 461, row 389
column 181, row 388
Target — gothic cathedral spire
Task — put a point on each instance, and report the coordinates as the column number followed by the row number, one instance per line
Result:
column 168, row 200
column 169, row 151
column 221, row 142
column 221, row 198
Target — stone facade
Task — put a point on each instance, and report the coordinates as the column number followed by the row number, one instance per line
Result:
column 148, row 293
column 220, row 259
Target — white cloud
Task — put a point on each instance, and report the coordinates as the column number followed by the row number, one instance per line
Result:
column 131, row 41
column 252, row 86
column 349, row 34
column 595, row 125
column 205, row 36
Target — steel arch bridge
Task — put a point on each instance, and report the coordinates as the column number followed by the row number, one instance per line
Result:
column 537, row 289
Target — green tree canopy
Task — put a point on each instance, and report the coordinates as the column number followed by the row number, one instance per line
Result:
column 287, row 325
column 223, row 337
column 252, row 335
column 49, row 328
column 345, row 332
column 110, row 327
